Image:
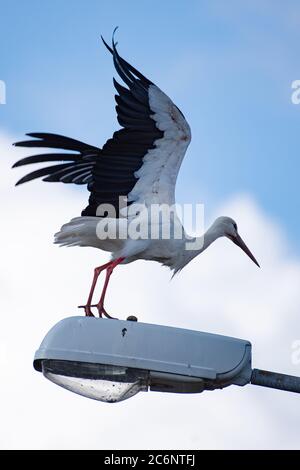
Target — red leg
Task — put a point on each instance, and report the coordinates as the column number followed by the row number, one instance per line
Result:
column 109, row 270
column 109, row 267
column 87, row 307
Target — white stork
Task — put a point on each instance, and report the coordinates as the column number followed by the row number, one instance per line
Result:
column 141, row 163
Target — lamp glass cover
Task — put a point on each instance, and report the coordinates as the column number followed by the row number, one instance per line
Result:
column 106, row 383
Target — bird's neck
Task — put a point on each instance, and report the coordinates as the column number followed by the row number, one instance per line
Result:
column 199, row 244
column 196, row 245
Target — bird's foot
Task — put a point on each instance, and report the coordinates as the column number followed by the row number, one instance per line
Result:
column 100, row 308
column 87, row 310
column 102, row 311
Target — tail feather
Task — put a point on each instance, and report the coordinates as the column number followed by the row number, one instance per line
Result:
column 80, row 231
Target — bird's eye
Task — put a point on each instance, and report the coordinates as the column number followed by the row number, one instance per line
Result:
column 235, row 226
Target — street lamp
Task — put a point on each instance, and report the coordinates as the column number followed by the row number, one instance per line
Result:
column 112, row 360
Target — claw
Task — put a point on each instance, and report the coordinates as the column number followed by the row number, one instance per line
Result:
column 87, row 309
column 102, row 311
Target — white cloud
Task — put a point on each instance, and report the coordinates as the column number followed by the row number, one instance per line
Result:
column 222, row 291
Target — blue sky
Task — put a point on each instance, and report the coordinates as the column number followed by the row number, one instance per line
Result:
column 228, row 65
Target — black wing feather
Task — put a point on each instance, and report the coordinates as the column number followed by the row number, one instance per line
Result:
column 48, row 157
column 41, row 172
column 86, row 156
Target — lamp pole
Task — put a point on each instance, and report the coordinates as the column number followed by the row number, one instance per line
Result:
column 265, row 378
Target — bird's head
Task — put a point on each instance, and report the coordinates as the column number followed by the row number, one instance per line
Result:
column 227, row 227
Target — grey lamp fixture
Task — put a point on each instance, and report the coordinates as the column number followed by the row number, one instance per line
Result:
column 112, row 360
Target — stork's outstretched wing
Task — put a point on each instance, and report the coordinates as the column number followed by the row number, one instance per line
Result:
column 140, row 162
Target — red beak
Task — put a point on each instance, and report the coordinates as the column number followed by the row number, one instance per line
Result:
column 239, row 242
